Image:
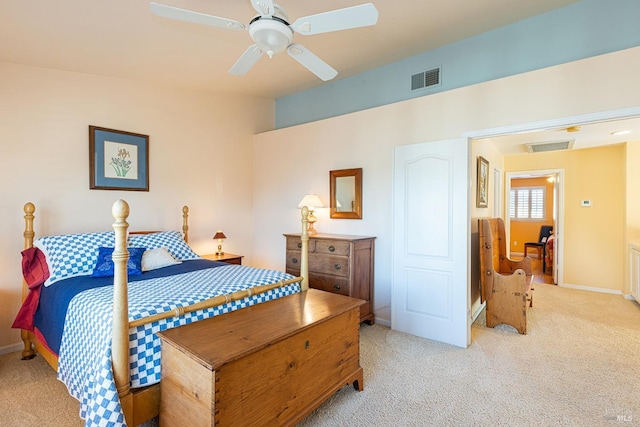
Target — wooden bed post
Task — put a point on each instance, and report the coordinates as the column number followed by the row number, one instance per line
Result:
column 120, row 332
column 29, row 209
column 304, row 253
column 185, row 223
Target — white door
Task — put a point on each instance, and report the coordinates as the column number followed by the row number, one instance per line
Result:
column 430, row 289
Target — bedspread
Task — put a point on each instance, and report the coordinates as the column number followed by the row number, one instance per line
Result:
column 84, row 364
column 52, row 310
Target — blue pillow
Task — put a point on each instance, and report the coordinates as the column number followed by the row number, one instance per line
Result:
column 104, row 264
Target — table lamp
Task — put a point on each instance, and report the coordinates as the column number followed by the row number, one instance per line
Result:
column 312, row 202
column 220, row 236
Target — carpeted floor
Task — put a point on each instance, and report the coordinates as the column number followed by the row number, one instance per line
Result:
column 579, row 365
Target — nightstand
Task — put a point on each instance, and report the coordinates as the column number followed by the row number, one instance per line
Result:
column 226, row 257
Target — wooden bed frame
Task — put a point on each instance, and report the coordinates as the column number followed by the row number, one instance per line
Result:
column 140, row 405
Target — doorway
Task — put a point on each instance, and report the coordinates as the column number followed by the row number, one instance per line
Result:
column 555, row 180
column 583, row 131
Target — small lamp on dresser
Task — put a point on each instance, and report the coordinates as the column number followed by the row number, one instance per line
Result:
column 312, row 202
column 220, row 236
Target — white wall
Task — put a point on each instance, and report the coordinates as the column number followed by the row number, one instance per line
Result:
column 290, row 162
column 200, row 155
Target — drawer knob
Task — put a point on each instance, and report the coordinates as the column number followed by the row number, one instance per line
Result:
column 332, row 248
column 336, row 287
column 299, row 245
column 294, row 260
column 337, row 266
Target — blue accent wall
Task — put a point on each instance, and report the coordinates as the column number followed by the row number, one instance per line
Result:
column 581, row 30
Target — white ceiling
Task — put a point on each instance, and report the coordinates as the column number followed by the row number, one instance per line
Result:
column 582, row 136
column 123, row 39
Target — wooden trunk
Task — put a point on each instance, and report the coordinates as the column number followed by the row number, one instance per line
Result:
column 269, row 364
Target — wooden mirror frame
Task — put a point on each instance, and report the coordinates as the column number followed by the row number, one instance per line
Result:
column 356, row 213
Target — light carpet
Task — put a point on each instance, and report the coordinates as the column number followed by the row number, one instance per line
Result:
column 579, row 365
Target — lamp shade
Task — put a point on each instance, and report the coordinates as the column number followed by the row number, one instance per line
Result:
column 311, row 201
column 219, row 235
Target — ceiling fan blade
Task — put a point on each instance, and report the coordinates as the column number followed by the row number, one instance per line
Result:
column 195, row 17
column 246, row 61
column 336, row 20
column 314, row 64
column 263, row 7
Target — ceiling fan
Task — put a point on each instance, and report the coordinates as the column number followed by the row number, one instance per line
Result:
column 272, row 33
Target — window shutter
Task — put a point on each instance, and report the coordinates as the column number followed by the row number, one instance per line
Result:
column 512, row 204
column 537, row 203
column 523, row 204
column 527, row 203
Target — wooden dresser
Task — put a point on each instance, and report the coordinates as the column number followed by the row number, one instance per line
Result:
column 265, row 365
column 338, row 263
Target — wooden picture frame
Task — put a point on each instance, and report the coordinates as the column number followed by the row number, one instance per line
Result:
column 118, row 160
column 482, row 193
column 345, row 193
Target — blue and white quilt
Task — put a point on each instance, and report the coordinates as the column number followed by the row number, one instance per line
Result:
column 84, row 363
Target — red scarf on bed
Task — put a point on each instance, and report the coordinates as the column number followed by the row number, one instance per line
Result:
column 35, row 272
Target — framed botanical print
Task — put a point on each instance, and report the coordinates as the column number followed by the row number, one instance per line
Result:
column 482, row 193
column 118, row 160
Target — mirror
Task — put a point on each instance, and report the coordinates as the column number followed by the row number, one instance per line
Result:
column 346, row 193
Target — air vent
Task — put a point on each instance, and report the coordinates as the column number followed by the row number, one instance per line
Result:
column 425, row 79
column 540, row 147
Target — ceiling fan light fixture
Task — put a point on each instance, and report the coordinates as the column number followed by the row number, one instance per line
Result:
column 271, row 36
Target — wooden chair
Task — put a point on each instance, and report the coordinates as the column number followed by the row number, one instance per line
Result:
column 540, row 245
column 506, row 284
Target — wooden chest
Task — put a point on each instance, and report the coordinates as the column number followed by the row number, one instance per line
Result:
column 269, row 364
column 338, row 263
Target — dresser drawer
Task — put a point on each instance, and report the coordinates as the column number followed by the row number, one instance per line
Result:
column 334, row 265
column 332, row 247
column 329, row 264
column 337, row 285
column 293, row 260
column 296, row 244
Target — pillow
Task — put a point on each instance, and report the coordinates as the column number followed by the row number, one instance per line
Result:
column 70, row 255
column 172, row 240
column 157, row 258
column 104, row 264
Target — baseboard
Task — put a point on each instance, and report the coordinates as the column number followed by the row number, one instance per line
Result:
column 477, row 312
column 383, row 315
column 383, row 322
column 11, row 348
column 591, row 289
